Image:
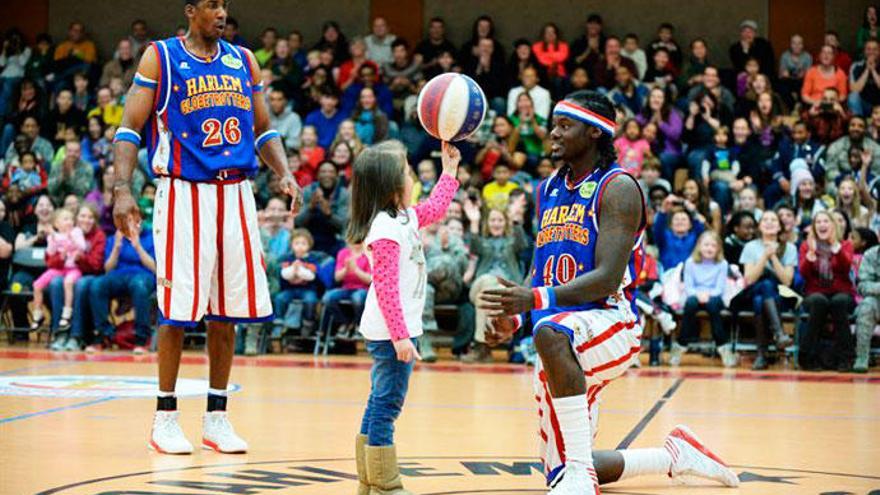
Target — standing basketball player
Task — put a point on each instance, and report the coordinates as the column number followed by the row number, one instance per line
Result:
column 588, row 251
column 199, row 97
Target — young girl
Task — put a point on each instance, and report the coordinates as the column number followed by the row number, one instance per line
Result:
column 69, row 241
column 632, row 147
column 705, row 276
column 310, row 154
column 392, row 319
column 747, row 200
column 848, row 200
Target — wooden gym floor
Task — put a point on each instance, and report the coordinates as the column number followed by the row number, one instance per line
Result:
column 68, row 425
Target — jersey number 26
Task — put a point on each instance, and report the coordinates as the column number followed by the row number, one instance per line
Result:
column 217, row 133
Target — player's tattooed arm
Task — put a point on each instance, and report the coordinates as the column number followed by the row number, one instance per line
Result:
column 620, row 215
column 138, row 107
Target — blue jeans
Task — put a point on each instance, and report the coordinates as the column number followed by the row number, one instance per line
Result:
column 719, row 190
column 858, row 105
column 669, row 162
column 695, row 159
column 332, row 310
column 389, row 380
column 139, row 286
column 689, row 329
column 766, row 288
column 81, row 311
column 308, row 297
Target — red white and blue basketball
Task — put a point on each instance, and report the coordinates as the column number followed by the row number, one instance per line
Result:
column 451, row 107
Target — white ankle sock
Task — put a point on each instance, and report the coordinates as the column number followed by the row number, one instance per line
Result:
column 67, row 312
column 217, row 391
column 37, row 314
column 165, row 394
column 640, row 462
column 573, row 414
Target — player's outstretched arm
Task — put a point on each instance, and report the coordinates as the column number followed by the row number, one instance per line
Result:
column 268, row 142
column 138, row 107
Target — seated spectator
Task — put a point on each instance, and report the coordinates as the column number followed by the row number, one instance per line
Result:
column 628, row 91
column 295, row 40
column 445, row 63
column 747, row 201
column 64, row 116
column 806, row 199
column 705, row 278
column 740, row 230
column 326, row 119
column 721, row 171
column 823, row 75
column 874, row 123
column 96, row 149
column 402, row 73
column 745, row 78
column 325, row 210
column 489, row 72
column 863, row 81
column 589, row 47
column 33, row 235
column 368, row 77
column 711, row 83
column 841, row 59
column 32, row 141
column 342, row 156
column 130, row 268
column 497, row 192
column 268, row 39
column 370, row 122
column 108, row 110
column 505, row 146
column 349, row 70
column 632, row 51
column 631, row 148
column 41, row 62
column 650, row 177
column 22, row 185
column 348, row 134
column 65, row 244
column 333, row 40
column 530, row 128
column 275, row 232
column 766, row 119
column 825, row 264
column 14, row 56
column 768, row 262
column 284, row 120
column 232, row 35
column 666, row 40
column 798, row 145
column 83, row 98
column 868, row 310
column 540, row 96
column 71, row 175
column 699, row 204
column 123, row 66
column 483, row 28
column 310, row 156
column 139, row 37
column 668, row 120
column 352, row 273
column 675, row 232
column 428, row 51
column 76, row 53
column 380, row 42
column 426, row 178
column 497, row 245
column 793, row 66
column 837, row 158
column 826, row 119
column 751, row 45
column 551, row 52
column 604, row 69
column 662, row 73
column 697, row 61
column 579, row 80
column 287, row 74
column 523, row 57
column 102, row 198
column 703, row 120
column 848, row 197
column 299, row 280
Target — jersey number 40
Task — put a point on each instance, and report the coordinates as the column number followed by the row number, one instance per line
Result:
column 217, row 133
column 564, row 270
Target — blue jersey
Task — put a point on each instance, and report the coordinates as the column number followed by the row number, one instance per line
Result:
column 202, row 126
column 565, row 247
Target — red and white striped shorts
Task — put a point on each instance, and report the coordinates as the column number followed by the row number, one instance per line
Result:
column 209, row 257
column 606, row 343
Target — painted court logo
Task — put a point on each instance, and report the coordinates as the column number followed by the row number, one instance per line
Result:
column 423, row 475
column 78, row 386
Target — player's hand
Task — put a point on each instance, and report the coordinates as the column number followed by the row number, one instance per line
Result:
column 499, row 330
column 290, row 187
column 406, row 351
column 125, row 211
column 450, row 156
column 511, row 299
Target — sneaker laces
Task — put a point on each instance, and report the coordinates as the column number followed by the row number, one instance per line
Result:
column 167, row 424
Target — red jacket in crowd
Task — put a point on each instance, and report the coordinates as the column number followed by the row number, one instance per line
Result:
column 841, row 264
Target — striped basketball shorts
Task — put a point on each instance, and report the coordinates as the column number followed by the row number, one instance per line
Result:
column 606, row 343
column 209, row 257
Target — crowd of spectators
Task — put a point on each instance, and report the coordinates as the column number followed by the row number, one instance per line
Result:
column 759, row 174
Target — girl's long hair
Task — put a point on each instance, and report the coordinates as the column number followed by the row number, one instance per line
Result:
column 697, row 256
column 485, row 227
column 377, row 185
column 835, row 232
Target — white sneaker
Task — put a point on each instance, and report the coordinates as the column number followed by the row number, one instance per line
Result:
column 581, row 481
column 667, row 322
column 219, row 435
column 675, row 353
column 166, row 436
column 690, row 458
column 728, row 357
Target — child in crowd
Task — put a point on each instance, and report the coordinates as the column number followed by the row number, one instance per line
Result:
column 747, row 200
column 299, row 280
column 848, row 200
column 631, row 148
column 352, row 273
column 675, row 232
column 720, row 170
column 69, row 241
column 740, row 230
column 632, row 51
column 427, row 177
column 705, row 278
column 310, row 154
column 497, row 192
column 745, row 78
column 651, row 170
column 28, row 177
column 392, row 319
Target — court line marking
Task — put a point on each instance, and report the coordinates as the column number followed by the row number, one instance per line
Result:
column 637, row 430
column 35, row 368
column 78, row 405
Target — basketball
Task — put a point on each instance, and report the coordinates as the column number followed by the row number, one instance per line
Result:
column 451, row 107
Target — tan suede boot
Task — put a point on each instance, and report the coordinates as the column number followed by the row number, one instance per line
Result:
column 360, row 456
column 383, row 472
